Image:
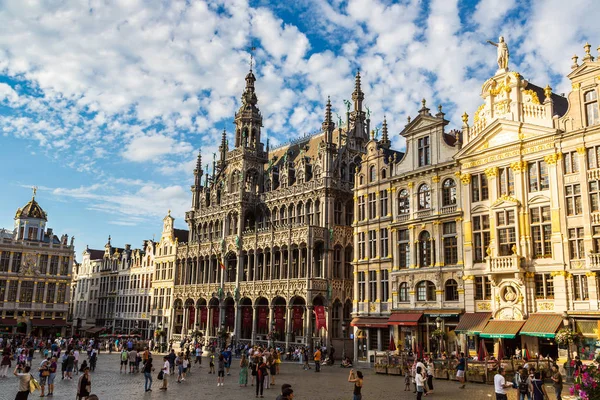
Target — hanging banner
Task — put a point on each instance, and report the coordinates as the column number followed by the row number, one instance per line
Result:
column 203, row 315
column 191, row 316
column 215, row 321
column 262, row 317
column 279, row 315
column 247, row 317
column 298, row 314
column 320, row 320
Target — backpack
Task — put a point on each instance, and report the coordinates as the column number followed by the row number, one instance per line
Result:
column 124, row 356
column 523, row 387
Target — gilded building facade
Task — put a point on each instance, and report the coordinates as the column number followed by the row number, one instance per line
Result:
column 35, row 275
column 270, row 237
column 408, row 236
column 113, row 290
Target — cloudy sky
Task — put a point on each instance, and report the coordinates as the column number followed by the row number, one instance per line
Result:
column 104, row 104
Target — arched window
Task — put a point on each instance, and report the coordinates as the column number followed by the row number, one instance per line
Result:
column 300, row 213
column 282, row 215
column 591, row 107
column 309, row 212
column 424, row 249
column 291, row 216
column 449, row 192
column 361, row 179
column 383, row 173
column 403, row 293
column 275, row 214
column 317, row 212
column 403, row 202
column 451, row 290
column 337, row 213
column 372, row 173
column 425, row 291
column 424, row 197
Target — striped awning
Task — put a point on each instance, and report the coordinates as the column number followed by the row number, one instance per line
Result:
column 501, row 329
column 405, row 318
column 473, row 323
column 542, row 325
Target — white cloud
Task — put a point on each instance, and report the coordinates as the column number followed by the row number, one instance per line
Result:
column 147, row 148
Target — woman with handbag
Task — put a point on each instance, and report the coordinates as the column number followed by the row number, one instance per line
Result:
column 44, row 374
column 85, row 385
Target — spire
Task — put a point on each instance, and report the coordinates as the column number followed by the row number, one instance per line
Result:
column 249, row 96
column 198, row 169
column 327, row 125
column 385, row 140
column 357, row 96
column 223, row 149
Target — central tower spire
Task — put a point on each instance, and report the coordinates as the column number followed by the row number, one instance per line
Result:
column 248, row 119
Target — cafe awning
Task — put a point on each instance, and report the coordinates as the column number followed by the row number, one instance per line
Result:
column 542, row 325
column 404, row 318
column 473, row 323
column 95, row 329
column 501, row 329
column 369, row 322
column 8, row 321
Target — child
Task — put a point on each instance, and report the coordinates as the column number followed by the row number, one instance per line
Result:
column 212, row 364
column 407, row 380
column 221, row 371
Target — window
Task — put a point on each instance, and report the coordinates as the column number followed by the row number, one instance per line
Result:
column 483, row 288
column 449, row 192
column 317, row 212
column 64, row 266
column 372, row 243
column 383, row 237
column 373, row 286
column 423, row 147
column 481, row 237
column 53, row 265
column 538, row 176
column 424, row 195
column 383, row 173
column 593, row 157
column 544, row 286
column 576, row 249
column 385, row 282
column 424, row 246
column 2, row 290
column 4, row 261
column 26, row 294
column 506, row 181
column 337, row 263
column 372, row 205
column 403, row 202
column 425, row 291
column 361, row 286
column 383, row 203
column 403, row 293
column 300, row 213
column 12, row 291
column 372, row 174
column 362, row 254
column 39, row 292
column 450, row 242
column 16, row 262
column 337, row 213
column 571, row 162
column 349, row 213
column 573, row 198
column 580, row 287
column 507, row 239
column 594, row 196
column 596, row 238
column 50, row 293
column 590, row 100
column 403, row 249
column 361, row 208
column 451, row 290
column 62, row 293
column 541, row 230
column 479, row 188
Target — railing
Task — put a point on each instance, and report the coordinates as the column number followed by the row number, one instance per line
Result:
column 504, row 263
column 594, row 260
column 424, row 213
column 477, row 128
column 448, row 209
column 534, row 110
column 403, row 217
column 595, row 218
column 593, row 174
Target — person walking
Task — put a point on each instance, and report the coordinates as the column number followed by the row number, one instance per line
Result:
column 243, row 380
column 357, row 379
column 148, row 369
column 221, row 371
column 261, row 374
column 460, row 369
column 557, row 382
column 420, row 383
column 430, row 371
column 317, row 358
column 5, row 364
column 52, row 376
column 24, row 377
column 198, row 355
column 124, row 358
column 538, row 388
column 272, row 369
column 84, row 386
column 70, row 365
column 76, row 362
column 165, row 373
column 500, row 384
column 44, row 373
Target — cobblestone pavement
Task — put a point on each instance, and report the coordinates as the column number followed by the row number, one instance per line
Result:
column 330, row 384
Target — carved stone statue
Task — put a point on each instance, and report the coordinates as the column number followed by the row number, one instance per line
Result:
column 509, row 294
column 502, row 52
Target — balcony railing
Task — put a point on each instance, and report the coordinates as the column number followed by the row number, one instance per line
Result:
column 424, row 213
column 448, row 209
column 593, row 260
column 593, row 174
column 504, row 264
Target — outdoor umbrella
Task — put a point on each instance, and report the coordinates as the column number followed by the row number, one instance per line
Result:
column 482, row 351
column 525, row 353
column 392, row 346
column 500, row 351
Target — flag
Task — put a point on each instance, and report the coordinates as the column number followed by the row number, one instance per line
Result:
column 392, row 346
column 221, row 263
column 482, row 353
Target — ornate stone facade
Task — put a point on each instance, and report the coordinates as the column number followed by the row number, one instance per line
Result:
column 35, row 275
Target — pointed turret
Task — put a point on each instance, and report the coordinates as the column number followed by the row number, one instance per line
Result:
column 357, row 96
column 248, row 119
column 223, row 150
column 385, row 140
column 327, row 125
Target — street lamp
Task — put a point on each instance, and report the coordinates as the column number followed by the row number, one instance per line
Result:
column 160, row 344
column 343, row 340
column 438, row 324
column 565, row 318
column 222, row 337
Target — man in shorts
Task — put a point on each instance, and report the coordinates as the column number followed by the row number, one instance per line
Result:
column 124, row 358
column 460, row 370
column 132, row 360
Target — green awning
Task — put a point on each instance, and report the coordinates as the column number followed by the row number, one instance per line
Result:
column 472, row 323
column 499, row 329
column 542, row 325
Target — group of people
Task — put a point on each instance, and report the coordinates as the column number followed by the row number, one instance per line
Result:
column 528, row 382
column 421, row 376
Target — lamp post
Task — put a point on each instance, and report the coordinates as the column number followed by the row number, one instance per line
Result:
column 221, row 337
column 160, row 339
column 569, row 369
column 343, row 340
column 438, row 324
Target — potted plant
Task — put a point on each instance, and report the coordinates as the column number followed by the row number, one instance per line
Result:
column 585, row 383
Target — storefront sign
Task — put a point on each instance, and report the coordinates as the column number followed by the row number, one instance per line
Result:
column 441, row 315
column 320, row 319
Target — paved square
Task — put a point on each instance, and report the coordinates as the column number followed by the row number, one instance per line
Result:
column 330, row 384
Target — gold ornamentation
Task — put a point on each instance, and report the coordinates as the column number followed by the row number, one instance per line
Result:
column 465, row 179
column 457, row 174
column 548, row 91
column 551, row 159
column 534, row 97
column 576, row 86
column 437, row 222
column 491, row 172
column 506, row 198
column 590, row 274
column 468, row 278
column 411, row 185
column 497, row 89
column 545, row 305
column 519, row 166
column 581, row 150
column 458, row 219
column 530, row 274
column 479, row 109
column 484, row 306
column 435, row 179
column 465, row 118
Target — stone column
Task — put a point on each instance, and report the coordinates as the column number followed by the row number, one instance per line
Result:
column 379, row 339
column 309, row 328
column 355, row 343
column 254, row 320
column 209, row 322
column 238, row 320
column 288, row 326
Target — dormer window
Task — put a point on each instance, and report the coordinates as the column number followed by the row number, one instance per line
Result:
column 372, row 173
column 424, row 151
column 590, row 100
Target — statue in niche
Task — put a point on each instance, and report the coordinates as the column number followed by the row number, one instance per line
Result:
column 502, row 52
column 510, row 294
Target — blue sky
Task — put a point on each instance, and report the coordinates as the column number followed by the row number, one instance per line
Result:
column 104, row 104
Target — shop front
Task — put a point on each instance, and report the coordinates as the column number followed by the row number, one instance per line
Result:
column 537, row 335
column 588, row 326
column 436, row 321
column 469, row 327
column 370, row 333
column 405, row 329
column 503, row 334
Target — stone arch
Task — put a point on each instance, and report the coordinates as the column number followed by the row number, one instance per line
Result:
column 247, row 315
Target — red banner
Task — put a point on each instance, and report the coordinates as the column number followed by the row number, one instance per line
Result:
column 191, row 314
column 262, row 317
column 298, row 314
column 215, row 321
column 247, row 317
column 321, row 321
column 279, row 315
column 203, row 315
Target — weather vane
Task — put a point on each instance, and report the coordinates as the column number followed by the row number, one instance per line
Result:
column 34, row 190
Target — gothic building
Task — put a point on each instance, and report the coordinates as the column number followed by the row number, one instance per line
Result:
column 35, row 275
column 270, row 239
